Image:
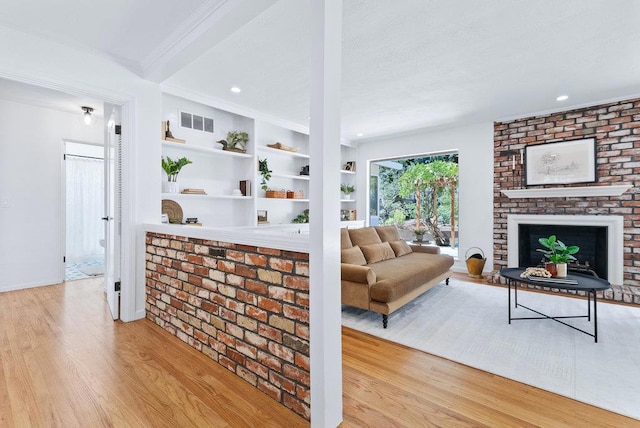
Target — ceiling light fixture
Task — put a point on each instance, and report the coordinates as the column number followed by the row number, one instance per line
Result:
column 87, row 115
column 562, row 98
column 359, row 134
column 235, row 89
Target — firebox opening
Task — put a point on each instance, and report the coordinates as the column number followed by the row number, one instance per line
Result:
column 592, row 241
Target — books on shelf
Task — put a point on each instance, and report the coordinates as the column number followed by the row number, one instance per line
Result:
column 193, row 192
column 245, row 187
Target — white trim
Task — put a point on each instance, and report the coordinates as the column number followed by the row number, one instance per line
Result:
column 615, row 236
column 13, row 287
column 567, row 192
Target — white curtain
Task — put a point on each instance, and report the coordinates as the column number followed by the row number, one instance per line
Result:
column 85, row 202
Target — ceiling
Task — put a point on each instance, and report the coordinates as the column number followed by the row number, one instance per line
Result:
column 407, row 65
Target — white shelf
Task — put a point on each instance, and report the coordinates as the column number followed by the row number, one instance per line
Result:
column 190, row 196
column 283, row 152
column 295, row 177
column 567, row 192
column 205, row 150
column 347, row 200
column 283, row 199
column 344, row 171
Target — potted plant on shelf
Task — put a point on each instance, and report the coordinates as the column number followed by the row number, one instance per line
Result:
column 173, row 168
column 236, row 141
column 347, row 190
column 265, row 172
column 558, row 255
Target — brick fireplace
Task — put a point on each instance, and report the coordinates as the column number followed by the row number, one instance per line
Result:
column 615, row 194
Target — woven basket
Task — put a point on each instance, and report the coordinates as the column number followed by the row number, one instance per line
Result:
column 276, row 194
column 295, row 195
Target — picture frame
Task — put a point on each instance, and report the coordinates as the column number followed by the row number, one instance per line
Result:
column 262, row 217
column 350, row 166
column 564, row 162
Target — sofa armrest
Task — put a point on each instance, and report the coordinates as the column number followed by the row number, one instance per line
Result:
column 355, row 273
column 430, row 249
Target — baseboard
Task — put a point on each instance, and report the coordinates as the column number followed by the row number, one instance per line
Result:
column 14, row 287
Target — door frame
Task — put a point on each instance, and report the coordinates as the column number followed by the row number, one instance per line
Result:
column 129, row 159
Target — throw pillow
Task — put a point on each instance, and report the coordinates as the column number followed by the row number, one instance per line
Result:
column 400, row 247
column 388, row 233
column 364, row 236
column 353, row 256
column 345, row 241
column 378, row 252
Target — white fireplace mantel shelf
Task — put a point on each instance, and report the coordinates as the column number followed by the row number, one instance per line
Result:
column 567, row 192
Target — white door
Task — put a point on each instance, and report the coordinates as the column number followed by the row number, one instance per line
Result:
column 111, row 206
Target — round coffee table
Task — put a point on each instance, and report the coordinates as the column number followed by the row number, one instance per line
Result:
column 589, row 284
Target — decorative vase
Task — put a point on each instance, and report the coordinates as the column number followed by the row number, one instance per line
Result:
column 561, row 270
column 419, row 238
column 552, row 269
column 346, row 196
column 172, row 187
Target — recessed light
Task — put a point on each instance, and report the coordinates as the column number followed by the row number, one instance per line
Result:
column 562, row 98
column 235, row 90
column 359, row 134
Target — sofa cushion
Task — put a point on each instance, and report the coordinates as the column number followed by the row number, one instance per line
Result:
column 400, row 247
column 402, row 275
column 364, row 236
column 353, row 256
column 345, row 241
column 388, row 233
column 375, row 253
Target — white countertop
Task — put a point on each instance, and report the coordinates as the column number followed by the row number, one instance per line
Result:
column 282, row 237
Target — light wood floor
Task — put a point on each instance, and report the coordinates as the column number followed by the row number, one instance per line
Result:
column 65, row 363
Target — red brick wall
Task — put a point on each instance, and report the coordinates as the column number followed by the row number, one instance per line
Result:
column 247, row 310
column 616, row 129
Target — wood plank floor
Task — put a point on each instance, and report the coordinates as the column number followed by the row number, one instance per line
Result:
column 65, row 363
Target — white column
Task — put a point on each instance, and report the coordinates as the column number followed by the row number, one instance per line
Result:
column 325, row 330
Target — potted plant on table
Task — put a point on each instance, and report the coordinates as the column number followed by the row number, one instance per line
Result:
column 172, row 168
column 419, row 232
column 347, row 190
column 558, row 255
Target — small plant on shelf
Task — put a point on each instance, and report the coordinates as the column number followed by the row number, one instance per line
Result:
column 236, row 141
column 347, row 189
column 173, row 167
column 265, row 172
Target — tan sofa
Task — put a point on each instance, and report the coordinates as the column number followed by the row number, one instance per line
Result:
column 381, row 272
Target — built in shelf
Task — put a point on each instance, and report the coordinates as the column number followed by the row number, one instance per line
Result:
column 283, row 152
column 205, row 150
column 295, row 177
column 567, row 192
column 284, row 199
column 347, row 200
column 344, row 171
column 191, row 196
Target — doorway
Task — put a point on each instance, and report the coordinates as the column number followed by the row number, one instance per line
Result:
column 84, row 208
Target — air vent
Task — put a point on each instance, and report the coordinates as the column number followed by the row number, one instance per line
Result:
column 196, row 122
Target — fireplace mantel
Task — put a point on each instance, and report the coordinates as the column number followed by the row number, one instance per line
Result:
column 567, row 192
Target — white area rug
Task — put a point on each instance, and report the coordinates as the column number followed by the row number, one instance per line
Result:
column 468, row 323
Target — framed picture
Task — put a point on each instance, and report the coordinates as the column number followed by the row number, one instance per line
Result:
column 262, row 216
column 561, row 163
column 350, row 166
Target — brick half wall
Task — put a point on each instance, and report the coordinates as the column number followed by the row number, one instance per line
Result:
column 616, row 129
column 245, row 307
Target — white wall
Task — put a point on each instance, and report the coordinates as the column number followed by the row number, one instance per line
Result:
column 31, row 180
column 39, row 61
column 474, row 144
